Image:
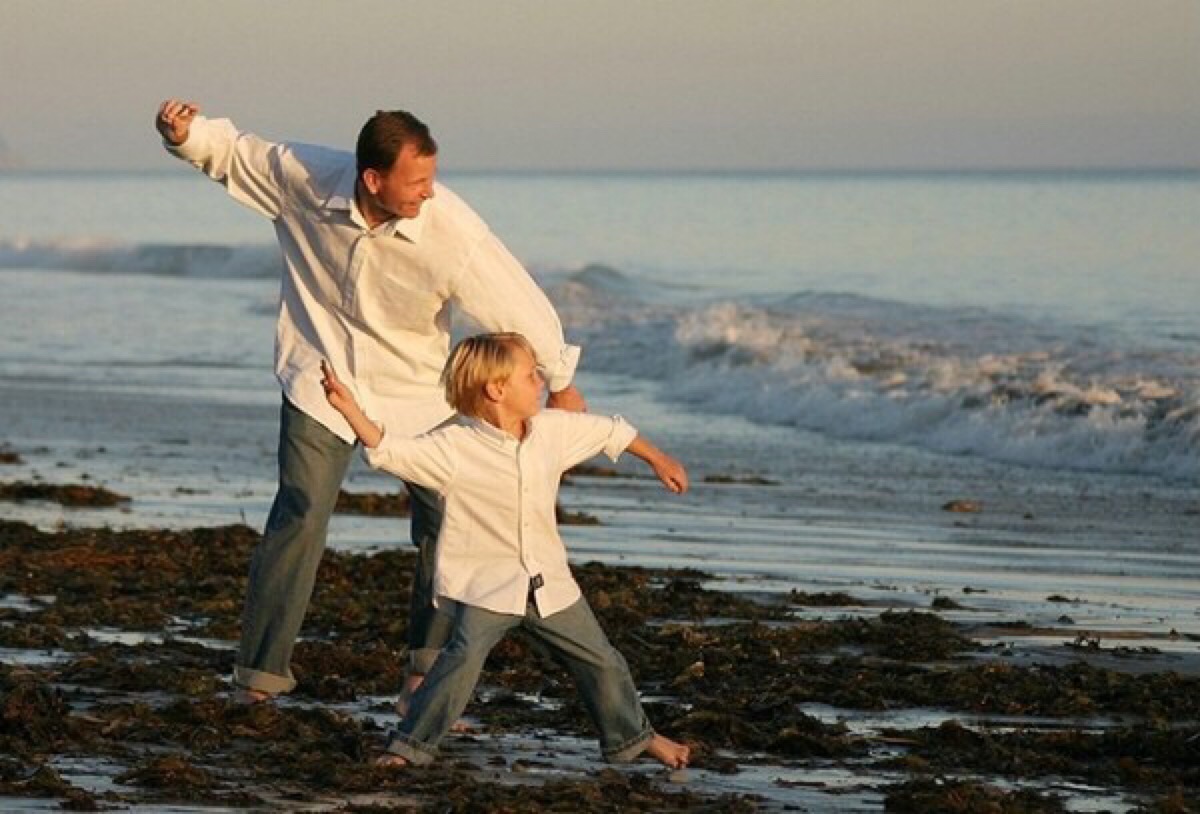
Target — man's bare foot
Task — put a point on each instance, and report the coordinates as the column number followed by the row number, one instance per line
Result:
column 247, row 696
column 390, row 761
column 669, row 753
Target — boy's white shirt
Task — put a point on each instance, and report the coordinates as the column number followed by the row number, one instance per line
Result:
column 499, row 529
column 373, row 302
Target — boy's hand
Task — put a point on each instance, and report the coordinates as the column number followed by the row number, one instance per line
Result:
column 337, row 393
column 342, row 400
column 671, row 473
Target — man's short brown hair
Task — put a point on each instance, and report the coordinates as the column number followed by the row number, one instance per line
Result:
column 387, row 133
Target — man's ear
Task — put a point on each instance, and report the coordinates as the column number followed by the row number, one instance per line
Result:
column 494, row 390
column 372, row 180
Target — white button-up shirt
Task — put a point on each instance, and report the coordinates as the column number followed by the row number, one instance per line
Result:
column 499, row 530
column 374, row 302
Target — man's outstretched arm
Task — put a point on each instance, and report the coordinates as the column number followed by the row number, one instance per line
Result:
column 241, row 162
column 569, row 398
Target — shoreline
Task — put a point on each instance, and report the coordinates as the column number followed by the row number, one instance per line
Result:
column 770, row 511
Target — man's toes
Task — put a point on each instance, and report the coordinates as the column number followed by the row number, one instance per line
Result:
column 245, row 695
column 390, row 761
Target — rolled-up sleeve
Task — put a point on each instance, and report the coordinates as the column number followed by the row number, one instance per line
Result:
column 246, row 165
column 428, row 459
column 584, row 435
column 496, row 291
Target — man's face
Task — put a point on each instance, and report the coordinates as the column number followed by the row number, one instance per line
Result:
column 523, row 390
column 400, row 191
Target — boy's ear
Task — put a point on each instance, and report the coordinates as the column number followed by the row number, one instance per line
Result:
column 494, row 390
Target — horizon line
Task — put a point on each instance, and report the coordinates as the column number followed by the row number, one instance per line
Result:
column 1131, row 169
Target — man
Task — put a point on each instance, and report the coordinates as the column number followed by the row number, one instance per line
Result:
column 375, row 252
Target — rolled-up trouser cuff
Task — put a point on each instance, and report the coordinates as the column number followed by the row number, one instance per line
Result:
column 418, row 754
column 421, row 661
column 262, row 682
column 628, row 751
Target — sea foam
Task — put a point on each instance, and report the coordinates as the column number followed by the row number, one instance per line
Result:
column 968, row 381
column 960, row 381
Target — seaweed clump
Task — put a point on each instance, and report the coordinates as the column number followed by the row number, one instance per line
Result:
column 939, row 796
column 72, row 495
column 373, row 504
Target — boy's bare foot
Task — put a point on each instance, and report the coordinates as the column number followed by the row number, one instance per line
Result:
column 390, row 761
column 247, row 696
column 669, row 753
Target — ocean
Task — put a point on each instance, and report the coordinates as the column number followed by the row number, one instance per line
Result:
column 839, row 359
column 1042, row 320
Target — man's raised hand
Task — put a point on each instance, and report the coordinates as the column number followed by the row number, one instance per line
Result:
column 174, row 120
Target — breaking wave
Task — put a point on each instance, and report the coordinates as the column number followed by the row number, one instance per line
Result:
column 964, row 381
column 171, row 260
column 959, row 381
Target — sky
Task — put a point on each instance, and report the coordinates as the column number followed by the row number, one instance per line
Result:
column 620, row 84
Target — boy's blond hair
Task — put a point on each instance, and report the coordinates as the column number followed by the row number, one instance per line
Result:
column 476, row 361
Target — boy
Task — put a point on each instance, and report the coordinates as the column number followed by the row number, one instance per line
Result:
column 500, row 561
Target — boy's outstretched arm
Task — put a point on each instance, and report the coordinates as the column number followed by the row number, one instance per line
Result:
column 342, row 400
column 669, row 471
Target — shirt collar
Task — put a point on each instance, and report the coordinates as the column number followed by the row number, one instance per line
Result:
column 342, row 198
column 494, row 434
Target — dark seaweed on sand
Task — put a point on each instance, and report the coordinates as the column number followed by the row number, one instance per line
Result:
column 730, row 674
column 70, row 495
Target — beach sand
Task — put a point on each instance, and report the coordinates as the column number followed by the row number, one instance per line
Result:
column 842, row 637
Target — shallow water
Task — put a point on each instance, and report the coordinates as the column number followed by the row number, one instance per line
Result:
column 863, row 518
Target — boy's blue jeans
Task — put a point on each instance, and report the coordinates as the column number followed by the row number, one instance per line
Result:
column 575, row 639
column 312, row 464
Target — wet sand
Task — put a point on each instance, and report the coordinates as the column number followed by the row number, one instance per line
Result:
column 834, row 639
column 116, row 643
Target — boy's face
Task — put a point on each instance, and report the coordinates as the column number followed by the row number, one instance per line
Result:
column 523, row 390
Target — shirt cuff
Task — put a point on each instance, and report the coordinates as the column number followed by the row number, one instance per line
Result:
column 559, row 374
column 623, row 434
column 376, row 456
column 196, row 146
